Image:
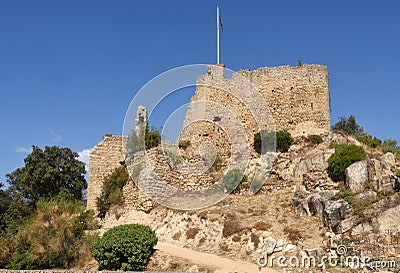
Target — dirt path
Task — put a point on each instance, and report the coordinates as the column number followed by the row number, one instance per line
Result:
column 223, row 265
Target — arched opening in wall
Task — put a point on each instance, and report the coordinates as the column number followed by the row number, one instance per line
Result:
column 312, row 106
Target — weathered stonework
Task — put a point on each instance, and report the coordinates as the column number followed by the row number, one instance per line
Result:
column 105, row 157
column 297, row 99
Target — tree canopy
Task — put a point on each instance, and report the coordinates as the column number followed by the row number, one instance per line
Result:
column 49, row 173
column 348, row 126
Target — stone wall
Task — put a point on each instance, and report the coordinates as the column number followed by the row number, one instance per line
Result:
column 297, row 98
column 105, row 157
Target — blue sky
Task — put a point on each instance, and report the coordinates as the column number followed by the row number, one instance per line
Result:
column 69, row 69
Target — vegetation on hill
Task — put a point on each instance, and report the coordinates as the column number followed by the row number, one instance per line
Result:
column 316, row 139
column 344, row 156
column 349, row 126
column 270, row 141
column 111, row 193
column 125, row 248
column 42, row 212
column 135, row 143
column 233, row 178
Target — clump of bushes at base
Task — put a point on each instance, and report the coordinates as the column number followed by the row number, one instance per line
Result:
column 233, row 178
column 344, row 156
column 218, row 163
column 183, row 144
column 125, row 248
column 52, row 238
column 152, row 138
column 316, row 139
column 367, row 139
column 111, row 193
column 270, row 141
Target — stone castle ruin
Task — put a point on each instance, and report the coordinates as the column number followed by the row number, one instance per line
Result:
column 295, row 99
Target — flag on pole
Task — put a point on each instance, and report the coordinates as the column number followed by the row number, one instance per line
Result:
column 220, row 23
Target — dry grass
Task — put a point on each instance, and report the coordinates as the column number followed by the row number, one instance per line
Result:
column 192, row 232
column 254, row 239
column 262, row 226
column 293, row 234
column 231, row 227
column 177, row 236
column 224, row 247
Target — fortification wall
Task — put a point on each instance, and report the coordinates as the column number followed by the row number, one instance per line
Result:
column 105, row 157
column 297, row 99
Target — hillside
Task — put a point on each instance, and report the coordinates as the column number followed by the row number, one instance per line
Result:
column 299, row 211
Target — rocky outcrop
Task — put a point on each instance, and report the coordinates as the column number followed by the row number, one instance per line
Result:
column 374, row 173
column 335, row 212
column 332, row 212
column 357, row 176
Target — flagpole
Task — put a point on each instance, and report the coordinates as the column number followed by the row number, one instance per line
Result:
column 217, row 35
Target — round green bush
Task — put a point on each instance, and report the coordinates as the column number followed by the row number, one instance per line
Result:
column 316, row 139
column 344, row 156
column 125, row 247
column 283, row 141
column 270, row 141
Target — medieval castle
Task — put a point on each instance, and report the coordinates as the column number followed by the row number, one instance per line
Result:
column 293, row 98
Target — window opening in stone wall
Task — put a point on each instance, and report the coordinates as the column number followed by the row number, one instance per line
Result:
column 312, row 106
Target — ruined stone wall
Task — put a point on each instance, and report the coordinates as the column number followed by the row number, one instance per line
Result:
column 297, row 99
column 105, row 157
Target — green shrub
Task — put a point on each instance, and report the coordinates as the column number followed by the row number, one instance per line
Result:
column 344, row 156
column 368, row 140
column 125, row 247
column 390, row 146
column 152, row 138
column 316, row 139
column 233, row 178
column 348, row 126
column 270, row 141
column 397, row 173
column 172, row 158
column 217, row 163
column 111, row 193
column 52, row 238
column 283, row 141
column 183, row 144
column 265, row 142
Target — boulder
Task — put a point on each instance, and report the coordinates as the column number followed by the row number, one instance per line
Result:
column 269, row 245
column 279, row 245
column 388, row 161
column 375, row 169
column 194, row 268
column 316, row 253
column 386, row 182
column 396, row 186
column 300, row 203
column 357, row 176
column 335, row 212
column 389, row 220
column 366, row 194
column 289, row 248
column 316, row 204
